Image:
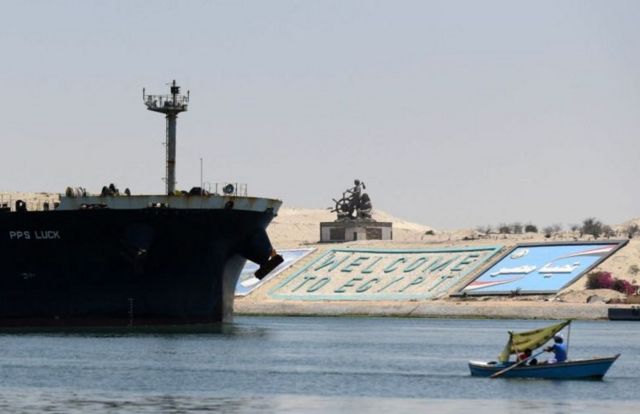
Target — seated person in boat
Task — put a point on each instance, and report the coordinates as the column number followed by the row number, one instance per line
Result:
column 526, row 355
column 559, row 349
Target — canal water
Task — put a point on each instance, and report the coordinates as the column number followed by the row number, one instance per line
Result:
column 293, row 365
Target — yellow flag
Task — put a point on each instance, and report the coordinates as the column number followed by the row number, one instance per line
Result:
column 520, row 341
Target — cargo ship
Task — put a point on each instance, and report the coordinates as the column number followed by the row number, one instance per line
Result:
column 118, row 259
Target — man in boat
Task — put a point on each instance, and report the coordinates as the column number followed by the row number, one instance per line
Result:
column 559, row 349
column 526, row 355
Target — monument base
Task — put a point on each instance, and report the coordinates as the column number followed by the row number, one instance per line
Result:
column 353, row 230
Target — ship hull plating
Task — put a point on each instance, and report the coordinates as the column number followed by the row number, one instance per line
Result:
column 104, row 267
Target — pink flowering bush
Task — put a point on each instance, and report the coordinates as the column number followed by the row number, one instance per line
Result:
column 600, row 280
column 604, row 280
column 624, row 287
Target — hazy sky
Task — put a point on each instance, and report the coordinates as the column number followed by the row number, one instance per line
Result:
column 454, row 113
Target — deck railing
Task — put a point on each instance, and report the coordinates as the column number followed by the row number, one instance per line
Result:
column 49, row 201
column 33, row 202
column 233, row 189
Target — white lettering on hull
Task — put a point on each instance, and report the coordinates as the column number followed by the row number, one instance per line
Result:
column 34, row 235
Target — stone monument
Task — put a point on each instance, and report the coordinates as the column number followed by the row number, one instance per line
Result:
column 354, row 220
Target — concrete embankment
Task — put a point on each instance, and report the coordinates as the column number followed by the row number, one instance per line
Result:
column 432, row 309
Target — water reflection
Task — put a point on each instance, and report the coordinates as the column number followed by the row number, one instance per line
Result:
column 226, row 329
column 37, row 401
column 130, row 403
column 291, row 365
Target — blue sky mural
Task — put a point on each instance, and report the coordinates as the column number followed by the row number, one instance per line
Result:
column 541, row 268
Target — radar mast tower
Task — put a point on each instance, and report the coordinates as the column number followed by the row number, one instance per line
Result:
column 170, row 105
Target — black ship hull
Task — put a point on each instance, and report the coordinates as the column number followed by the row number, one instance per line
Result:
column 128, row 267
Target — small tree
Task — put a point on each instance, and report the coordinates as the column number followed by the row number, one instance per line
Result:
column 592, row 226
column 530, row 228
column 504, row 229
column 631, row 230
column 552, row 229
column 517, row 228
column 607, row 231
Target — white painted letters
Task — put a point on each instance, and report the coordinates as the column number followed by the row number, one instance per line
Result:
column 34, row 235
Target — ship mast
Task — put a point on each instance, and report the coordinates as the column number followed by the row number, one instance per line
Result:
column 170, row 105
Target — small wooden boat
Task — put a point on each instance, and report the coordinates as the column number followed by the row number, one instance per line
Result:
column 518, row 343
column 593, row 368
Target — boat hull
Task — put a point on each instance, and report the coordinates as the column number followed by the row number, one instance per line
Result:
column 594, row 368
column 624, row 314
column 128, row 267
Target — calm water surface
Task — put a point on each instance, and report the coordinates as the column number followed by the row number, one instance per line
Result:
column 308, row 365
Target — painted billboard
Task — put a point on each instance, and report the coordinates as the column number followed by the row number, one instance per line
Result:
column 541, row 268
column 247, row 282
column 366, row 274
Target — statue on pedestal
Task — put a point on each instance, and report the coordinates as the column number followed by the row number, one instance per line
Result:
column 355, row 204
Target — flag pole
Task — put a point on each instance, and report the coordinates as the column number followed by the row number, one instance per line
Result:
column 568, row 337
